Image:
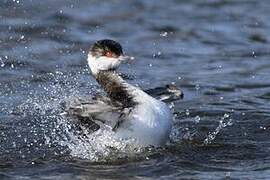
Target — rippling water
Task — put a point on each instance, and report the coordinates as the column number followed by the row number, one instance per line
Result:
column 216, row 51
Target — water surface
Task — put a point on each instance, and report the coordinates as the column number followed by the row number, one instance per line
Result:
column 216, row 51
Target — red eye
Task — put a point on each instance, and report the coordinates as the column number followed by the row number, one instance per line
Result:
column 109, row 54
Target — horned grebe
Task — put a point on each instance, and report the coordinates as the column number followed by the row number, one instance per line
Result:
column 130, row 112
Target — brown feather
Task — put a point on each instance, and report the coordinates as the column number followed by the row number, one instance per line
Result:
column 116, row 88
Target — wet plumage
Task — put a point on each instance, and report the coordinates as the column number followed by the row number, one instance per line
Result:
column 129, row 111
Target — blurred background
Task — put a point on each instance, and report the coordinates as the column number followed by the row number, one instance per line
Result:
column 216, row 51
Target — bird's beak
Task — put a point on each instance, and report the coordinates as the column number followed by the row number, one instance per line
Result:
column 125, row 58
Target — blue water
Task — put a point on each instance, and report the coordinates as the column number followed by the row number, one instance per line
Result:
column 216, row 51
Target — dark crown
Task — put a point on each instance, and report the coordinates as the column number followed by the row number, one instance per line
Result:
column 102, row 46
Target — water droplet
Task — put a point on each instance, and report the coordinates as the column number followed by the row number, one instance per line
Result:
column 254, row 54
column 164, row 34
column 171, row 105
column 228, row 174
column 187, row 112
column 230, row 123
column 226, row 115
column 13, row 144
column 197, row 119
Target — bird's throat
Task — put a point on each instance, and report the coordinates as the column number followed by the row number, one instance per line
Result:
column 115, row 87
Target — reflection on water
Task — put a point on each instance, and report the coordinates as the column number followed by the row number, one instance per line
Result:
column 216, row 51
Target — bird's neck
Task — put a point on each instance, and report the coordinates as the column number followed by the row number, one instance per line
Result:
column 115, row 87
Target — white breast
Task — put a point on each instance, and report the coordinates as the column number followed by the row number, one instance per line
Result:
column 149, row 123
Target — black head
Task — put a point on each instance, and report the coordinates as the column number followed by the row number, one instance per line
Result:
column 106, row 47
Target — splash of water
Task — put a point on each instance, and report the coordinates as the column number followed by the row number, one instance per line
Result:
column 224, row 122
column 46, row 111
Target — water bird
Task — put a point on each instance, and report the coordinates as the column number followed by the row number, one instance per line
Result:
column 133, row 114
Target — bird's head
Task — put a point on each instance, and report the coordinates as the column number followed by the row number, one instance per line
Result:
column 105, row 55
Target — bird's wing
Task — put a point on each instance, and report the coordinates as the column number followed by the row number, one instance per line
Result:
column 98, row 111
column 168, row 93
